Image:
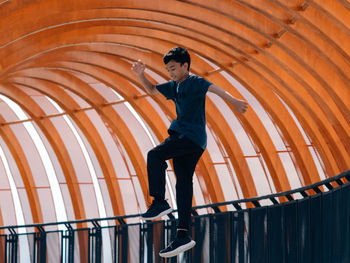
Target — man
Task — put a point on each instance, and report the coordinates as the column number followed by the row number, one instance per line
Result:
column 186, row 142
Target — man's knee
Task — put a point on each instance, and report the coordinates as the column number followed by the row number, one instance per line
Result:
column 154, row 159
column 152, row 154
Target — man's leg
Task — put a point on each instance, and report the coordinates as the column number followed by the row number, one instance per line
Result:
column 156, row 166
column 184, row 167
column 175, row 145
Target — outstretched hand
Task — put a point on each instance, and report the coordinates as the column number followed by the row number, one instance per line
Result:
column 138, row 67
column 241, row 106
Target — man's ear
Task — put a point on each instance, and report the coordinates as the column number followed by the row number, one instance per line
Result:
column 185, row 64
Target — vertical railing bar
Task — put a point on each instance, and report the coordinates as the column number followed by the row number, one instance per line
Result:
column 62, row 244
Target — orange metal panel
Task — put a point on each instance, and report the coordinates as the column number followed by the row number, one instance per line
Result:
column 289, row 48
column 27, row 176
column 84, row 124
column 53, row 137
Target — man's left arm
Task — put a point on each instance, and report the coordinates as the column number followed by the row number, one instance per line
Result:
column 240, row 105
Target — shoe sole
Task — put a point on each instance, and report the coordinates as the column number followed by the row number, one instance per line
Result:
column 179, row 250
column 165, row 212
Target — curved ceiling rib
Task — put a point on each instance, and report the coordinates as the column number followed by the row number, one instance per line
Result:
column 22, row 163
column 289, row 59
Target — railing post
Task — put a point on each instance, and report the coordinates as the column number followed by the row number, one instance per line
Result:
column 39, row 254
column 125, row 242
column 142, row 242
column 12, row 243
column 68, row 237
column 95, row 243
column 121, row 242
column 149, row 240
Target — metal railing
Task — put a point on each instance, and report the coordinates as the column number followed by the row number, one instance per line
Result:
column 308, row 224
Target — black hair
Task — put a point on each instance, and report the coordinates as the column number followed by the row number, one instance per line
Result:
column 178, row 54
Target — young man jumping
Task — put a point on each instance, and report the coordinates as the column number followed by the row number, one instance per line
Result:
column 186, row 142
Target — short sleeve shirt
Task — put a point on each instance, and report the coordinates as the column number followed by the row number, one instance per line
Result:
column 189, row 98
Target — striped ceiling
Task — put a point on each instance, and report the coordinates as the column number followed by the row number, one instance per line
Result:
column 76, row 125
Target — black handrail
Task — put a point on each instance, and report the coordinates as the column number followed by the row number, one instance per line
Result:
column 255, row 200
column 287, row 194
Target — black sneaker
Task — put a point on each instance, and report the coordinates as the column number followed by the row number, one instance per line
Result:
column 156, row 210
column 178, row 246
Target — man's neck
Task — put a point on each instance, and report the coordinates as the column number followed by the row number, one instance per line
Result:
column 184, row 77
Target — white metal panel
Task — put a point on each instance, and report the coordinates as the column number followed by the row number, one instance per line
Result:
column 110, row 144
column 73, row 148
column 89, row 200
column 139, row 134
column 227, row 185
column 31, row 154
column 255, row 105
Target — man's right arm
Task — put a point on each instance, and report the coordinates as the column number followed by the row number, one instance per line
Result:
column 138, row 68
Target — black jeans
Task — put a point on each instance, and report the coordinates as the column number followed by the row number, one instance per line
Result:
column 185, row 155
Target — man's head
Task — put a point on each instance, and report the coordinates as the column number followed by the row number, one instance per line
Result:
column 177, row 62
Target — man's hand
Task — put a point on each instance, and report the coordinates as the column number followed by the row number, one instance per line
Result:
column 138, row 67
column 240, row 106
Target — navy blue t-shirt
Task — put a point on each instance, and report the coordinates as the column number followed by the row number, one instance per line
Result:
column 189, row 97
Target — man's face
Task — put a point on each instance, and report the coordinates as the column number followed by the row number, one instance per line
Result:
column 177, row 71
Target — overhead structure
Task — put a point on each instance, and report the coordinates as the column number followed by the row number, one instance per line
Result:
column 76, row 125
